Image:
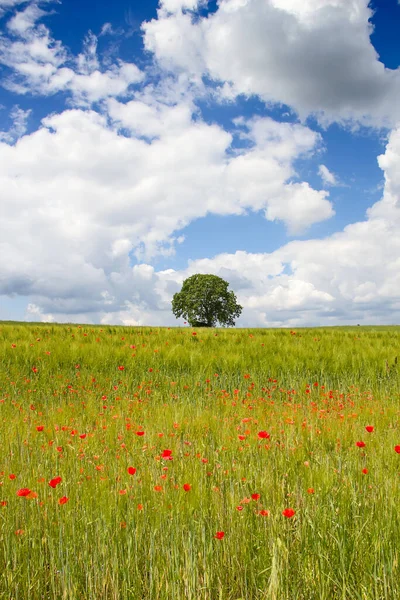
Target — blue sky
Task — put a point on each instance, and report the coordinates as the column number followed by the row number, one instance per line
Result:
column 141, row 142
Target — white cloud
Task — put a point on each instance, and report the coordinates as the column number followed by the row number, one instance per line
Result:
column 39, row 64
column 174, row 6
column 350, row 277
column 97, row 196
column 19, row 119
column 34, row 313
column 313, row 55
column 327, row 176
column 6, row 5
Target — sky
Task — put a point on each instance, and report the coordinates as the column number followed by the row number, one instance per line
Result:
column 144, row 142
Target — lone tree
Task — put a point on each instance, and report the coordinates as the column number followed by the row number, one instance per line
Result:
column 204, row 300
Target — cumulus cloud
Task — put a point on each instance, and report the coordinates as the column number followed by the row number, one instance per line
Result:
column 352, row 276
column 313, row 55
column 19, row 118
column 80, row 199
column 39, row 64
column 6, row 5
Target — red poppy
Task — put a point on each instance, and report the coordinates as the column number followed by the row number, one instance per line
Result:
column 365, row 471
column 54, row 482
column 360, row 444
column 264, row 435
column 369, row 428
column 140, row 433
column 264, row 513
column 397, row 449
column 310, row 491
column 187, row 487
column 131, row 470
column 239, row 508
column 40, row 428
column 121, row 368
column 12, row 476
column 288, row 513
column 3, row 503
column 63, row 500
column 82, row 436
column 158, row 488
column 219, row 535
column 255, row 496
column 241, row 437
column 23, row 492
column 167, row 454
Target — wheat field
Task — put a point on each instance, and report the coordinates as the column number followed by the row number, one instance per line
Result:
column 199, row 464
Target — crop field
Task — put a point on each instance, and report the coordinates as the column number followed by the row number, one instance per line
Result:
column 199, row 464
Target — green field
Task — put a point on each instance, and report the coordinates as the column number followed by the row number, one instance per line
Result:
column 255, row 422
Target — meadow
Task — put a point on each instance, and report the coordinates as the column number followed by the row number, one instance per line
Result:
column 168, row 464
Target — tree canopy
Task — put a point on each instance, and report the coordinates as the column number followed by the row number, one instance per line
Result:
column 204, row 301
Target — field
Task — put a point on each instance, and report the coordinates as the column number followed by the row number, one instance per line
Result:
column 169, row 464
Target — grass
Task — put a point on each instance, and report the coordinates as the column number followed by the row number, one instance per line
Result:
column 91, row 390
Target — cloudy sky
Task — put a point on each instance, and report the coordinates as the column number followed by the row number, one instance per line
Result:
column 141, row 143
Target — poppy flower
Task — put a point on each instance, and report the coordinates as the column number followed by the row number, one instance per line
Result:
column 365, row 471
column 140, row 433
column 241, row 437
column 239, row 508
column 121, row 368
column 23, row 492
column 158, row 488
column 255, row 496
column 219, row 535
column 360, row 444
column 131, row 470
column 12, row 476
column 264, row 513
column 167, row 454
column 40, row 428
column 264, row 435
column 63, row 500
column 397, row 449
column 55, row 481
column 288, row 513
column 310, row 491
column 187, row 487
column 369, row 428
